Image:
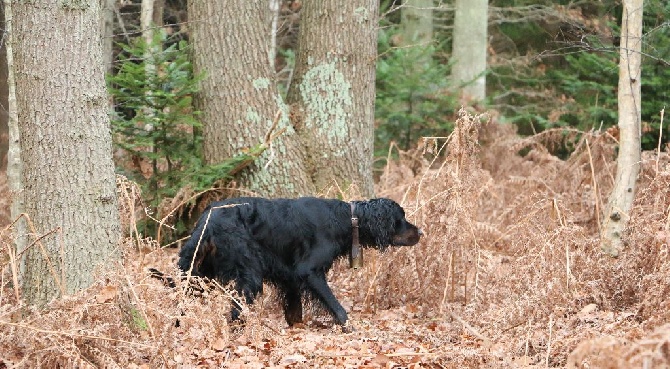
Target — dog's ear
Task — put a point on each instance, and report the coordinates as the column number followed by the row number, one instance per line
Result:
column 187, row 255
column 378, row 218
column 207, row 251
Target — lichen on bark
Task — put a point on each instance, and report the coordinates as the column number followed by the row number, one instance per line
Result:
column 326, row 93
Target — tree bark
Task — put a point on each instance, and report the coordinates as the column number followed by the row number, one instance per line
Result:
column 332, row 96
column 629, row 99
column 275, row 6
column 14, row 165
column 147, row 20
column 469, row 48
column 4, row 92
column 159, row 9
column 107, row 24
column 416, row 22
column 68, row 174
column 239, row 97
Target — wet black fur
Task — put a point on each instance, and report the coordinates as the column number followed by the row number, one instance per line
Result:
column 291, row 243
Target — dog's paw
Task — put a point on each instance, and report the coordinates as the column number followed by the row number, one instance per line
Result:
column 341, row 317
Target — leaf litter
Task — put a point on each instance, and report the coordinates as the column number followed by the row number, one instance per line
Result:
column 509, row 274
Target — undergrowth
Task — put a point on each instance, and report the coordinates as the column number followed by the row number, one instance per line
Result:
column 509, row 274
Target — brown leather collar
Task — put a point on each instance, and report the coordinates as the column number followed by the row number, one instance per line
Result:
column 356, row 254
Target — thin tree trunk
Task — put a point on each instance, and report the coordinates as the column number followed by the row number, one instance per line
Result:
column 146, row 20
column 469, row 48
column 333, row 91
column 14, row 164
column 275, row 5
column 4, row 91
column 239, row 97
column 148, row 31
column 416, row 22
column 159, row 9
column 416, row 31
column 68, row 174
column 107, row 19
column 629, row 98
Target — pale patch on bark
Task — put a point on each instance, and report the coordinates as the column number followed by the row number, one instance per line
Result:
column 326, row 94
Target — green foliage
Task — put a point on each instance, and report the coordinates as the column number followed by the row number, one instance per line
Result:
column 655, row 71
column 412, row 99
column 138, row 321
column 156, row 125
column 199, row 177
column 590, row 79
column 156, row 122
column 576, row 84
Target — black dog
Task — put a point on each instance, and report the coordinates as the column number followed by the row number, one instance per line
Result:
column 290, row 243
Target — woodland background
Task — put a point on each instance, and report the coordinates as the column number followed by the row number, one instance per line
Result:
column 509, row 188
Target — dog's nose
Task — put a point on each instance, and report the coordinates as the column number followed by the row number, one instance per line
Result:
column 420, row 232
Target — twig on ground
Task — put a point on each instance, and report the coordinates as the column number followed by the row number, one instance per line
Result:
column 551, row 326
column 140, row 306
column 73, row 335
column 42, row 249
column 596, row 197
column 660, row 139
column 469, row 328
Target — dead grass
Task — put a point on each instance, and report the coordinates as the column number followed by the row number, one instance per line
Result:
column 510, row 274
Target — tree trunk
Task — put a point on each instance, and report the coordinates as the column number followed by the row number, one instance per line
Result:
column 107, row 20
column 416, row 22
column 275, row 6
column 159, row 9
column 332, row 96
column 68, row 174
column 147, row 20
column 4, row 91
column 628, row 160
column 14, row 164
column 239, row 97
column 469, row 48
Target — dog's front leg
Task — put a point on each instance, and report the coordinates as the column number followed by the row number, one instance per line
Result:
column 247, row 285
column 319, row 287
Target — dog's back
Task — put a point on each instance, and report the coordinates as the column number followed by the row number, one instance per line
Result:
column 280, row 232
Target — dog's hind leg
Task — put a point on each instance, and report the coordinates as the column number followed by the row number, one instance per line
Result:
column 292, row 303
column 248, row 286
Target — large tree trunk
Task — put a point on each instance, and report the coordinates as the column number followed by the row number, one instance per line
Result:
column 239, row 97
column 628, row 160
column 332, row 96
column 469, row 48
column 68, row 174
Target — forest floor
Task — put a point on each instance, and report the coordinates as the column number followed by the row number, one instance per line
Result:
column 509, row 275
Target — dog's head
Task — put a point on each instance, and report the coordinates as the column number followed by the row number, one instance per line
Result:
column 382, row 223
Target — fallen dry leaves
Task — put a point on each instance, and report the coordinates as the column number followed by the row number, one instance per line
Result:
column 509, row 276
